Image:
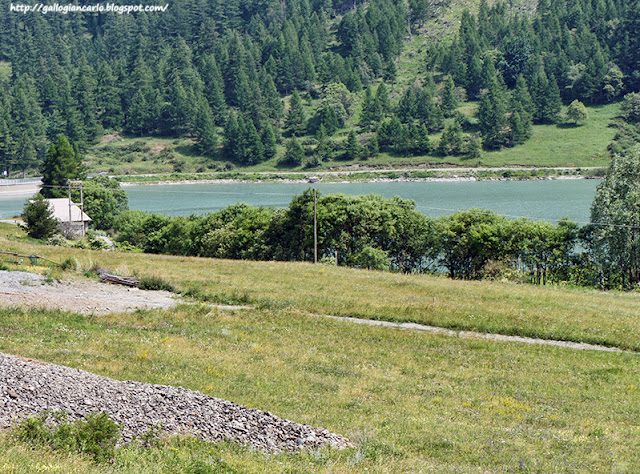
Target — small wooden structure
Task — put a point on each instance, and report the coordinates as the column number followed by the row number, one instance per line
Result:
column 72, row 220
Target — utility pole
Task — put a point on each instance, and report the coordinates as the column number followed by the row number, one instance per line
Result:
column 315, row 227
column 69, row 228
column 77, row 184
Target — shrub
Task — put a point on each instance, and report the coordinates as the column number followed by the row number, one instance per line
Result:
column 155, row 283
column 95, row 435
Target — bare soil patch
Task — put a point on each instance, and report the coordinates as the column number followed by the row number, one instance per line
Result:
column 80, row 296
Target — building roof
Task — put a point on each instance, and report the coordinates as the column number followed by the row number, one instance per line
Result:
column 60, row 207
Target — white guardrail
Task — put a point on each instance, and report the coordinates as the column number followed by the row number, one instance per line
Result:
column 14, row 182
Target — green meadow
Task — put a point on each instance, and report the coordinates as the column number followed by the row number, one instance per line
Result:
column 411, row 401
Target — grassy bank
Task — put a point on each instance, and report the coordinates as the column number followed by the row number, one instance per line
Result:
column 413, row 402
column 578, row 314
column 555, row 145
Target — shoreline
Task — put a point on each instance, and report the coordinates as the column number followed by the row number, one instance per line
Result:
column 414, row 175
column 376, row 176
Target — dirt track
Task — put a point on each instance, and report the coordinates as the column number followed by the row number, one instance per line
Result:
column 81, row 296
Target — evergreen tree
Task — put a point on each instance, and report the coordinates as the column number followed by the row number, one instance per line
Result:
column 294, row 154
column 352, row 150
column 295, row 119
column 269, row 142
column 368, row 113
column 38, row 218
column 61, row 164
column 383, row 102
column 108, row 102
column 449, row 98
column 204, row 129
column 323, row 150
column 452, row 141
column 232, row 137
column 492, row 116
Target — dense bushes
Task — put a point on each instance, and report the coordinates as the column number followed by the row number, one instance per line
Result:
column 367, row 232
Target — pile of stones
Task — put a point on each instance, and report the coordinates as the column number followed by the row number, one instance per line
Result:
column 28, row 387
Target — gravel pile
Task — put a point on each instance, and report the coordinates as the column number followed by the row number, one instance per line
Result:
column 28, row 387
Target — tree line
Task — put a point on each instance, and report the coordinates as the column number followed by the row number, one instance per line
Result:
column 240, row 77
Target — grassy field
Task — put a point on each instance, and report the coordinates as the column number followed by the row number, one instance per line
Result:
column 572, row 314
column 561, row 145
column 413, row 402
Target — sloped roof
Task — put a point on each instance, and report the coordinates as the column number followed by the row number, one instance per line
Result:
column 60, row 207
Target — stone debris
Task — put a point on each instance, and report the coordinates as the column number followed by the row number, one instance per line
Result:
column 28, row 387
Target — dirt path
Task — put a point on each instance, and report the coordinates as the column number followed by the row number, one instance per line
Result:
column 478, row 335
column 81, row 296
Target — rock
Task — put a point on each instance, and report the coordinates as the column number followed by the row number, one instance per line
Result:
column 139, row 407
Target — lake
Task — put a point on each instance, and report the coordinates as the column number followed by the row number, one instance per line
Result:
column 544, row 200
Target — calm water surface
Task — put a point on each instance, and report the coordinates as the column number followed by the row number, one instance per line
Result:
column 546, row 200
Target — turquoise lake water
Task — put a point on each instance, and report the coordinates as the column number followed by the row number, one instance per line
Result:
column 545, row 200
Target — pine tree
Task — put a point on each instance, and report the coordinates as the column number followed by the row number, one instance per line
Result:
column 383, row 102
column 492, row 116
column 422, row 143
column 452, row 141
column 61, row 164
column 85, row 86
column 368, row 113
column 39, row 219
column 294, row 154
column 269, row 142
column 254, row 150
column 295, row 119
column 204, row 130
column 323, row 150
column 232, row 137
column 449, row 98
column 108, row 102
column 352, row 150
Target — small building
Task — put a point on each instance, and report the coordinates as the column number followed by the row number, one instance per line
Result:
column 72, row 221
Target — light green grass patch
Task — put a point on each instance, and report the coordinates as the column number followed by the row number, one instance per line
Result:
column 411, row 401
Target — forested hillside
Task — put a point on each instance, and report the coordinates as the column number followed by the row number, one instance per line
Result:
column 303, row 82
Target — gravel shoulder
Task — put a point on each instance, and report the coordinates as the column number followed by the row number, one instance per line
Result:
column 81, row 296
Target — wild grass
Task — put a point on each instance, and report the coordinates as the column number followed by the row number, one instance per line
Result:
column 572, row 314
column 411, row 401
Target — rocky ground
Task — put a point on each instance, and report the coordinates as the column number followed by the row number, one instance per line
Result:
column 81, row 296
column 28, row 387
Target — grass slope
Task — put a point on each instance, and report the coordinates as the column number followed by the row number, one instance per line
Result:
column 412, row 401
column 580, row 315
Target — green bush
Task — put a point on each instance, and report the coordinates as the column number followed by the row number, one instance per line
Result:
column 155, row 283
column 95, row 435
